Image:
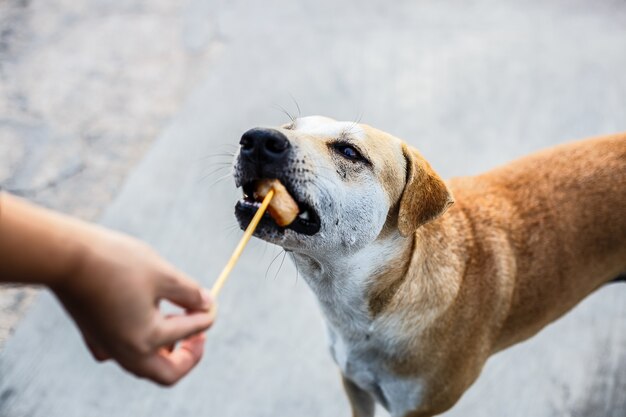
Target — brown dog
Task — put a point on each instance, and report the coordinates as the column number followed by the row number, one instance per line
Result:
column 416, row 300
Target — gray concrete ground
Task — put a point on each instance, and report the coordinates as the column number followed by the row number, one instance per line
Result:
column 84, row 89
column 472, row 84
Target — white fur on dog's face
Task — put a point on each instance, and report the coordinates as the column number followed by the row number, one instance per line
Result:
column 352, row 197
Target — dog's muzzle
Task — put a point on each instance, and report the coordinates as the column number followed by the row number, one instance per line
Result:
column 267, row 154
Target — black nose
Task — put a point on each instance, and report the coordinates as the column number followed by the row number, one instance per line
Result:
column 266, row 145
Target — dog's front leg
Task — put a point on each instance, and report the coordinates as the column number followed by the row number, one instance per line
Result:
column 361, row 401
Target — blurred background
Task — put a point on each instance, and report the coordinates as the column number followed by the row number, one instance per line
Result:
column 128, row 112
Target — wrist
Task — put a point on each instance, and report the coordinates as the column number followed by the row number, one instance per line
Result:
column 72, row 248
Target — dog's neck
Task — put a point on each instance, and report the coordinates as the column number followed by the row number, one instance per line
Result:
column 357, row 289
column 343, row 283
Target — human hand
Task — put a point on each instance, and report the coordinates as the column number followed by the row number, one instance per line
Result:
column 113, row 295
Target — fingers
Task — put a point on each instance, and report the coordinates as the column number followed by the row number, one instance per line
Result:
column 184, row 292
column 176, row 327
column 167, row 367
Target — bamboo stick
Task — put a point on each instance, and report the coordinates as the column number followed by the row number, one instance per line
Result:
column 217, row 287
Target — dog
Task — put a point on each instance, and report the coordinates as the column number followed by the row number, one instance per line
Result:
column 421, row 280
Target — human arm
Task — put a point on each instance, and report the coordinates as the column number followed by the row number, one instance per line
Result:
column 111, row 285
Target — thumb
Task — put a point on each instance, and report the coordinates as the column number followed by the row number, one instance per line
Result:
column 185, row 292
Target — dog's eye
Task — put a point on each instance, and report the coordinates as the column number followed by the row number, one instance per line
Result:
column 348, row 151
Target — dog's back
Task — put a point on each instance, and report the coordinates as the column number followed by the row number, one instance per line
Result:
column 563, row 212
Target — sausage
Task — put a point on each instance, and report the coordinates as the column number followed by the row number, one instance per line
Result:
column 283, row 207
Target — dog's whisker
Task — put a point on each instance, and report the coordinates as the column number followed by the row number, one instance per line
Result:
column 281, row 264
column 357, row 120
column 270, row 265
column 231, row 230
column 230, row 227
column 297, row 271
column 217, row 167
column 221, row 168
column 215, row 171
column 285, row 112
column 213, row 155
column 220, row 179
column 297, row 106
column 220, row 153
column 220, row 164
column 219, row 158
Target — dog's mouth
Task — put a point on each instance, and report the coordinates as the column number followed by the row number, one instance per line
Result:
column 306, row 223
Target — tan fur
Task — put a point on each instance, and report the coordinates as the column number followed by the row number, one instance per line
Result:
column 523, row 245
column 425, row 196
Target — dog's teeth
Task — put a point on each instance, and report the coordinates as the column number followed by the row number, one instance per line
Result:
column 304, row 215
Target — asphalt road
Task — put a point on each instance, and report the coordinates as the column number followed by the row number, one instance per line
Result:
column 84, row 90
column 472, row 84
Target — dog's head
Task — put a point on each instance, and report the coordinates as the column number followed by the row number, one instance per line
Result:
column 352, row 184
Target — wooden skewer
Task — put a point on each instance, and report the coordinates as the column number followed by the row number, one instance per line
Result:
column 217, row 287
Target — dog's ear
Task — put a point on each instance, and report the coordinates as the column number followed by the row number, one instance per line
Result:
column 425, row 196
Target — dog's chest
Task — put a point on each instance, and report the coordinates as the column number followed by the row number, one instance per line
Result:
column 352, row 345
column 362, row 359
column 358, row 345
column 361, row 350
column 356, row 356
